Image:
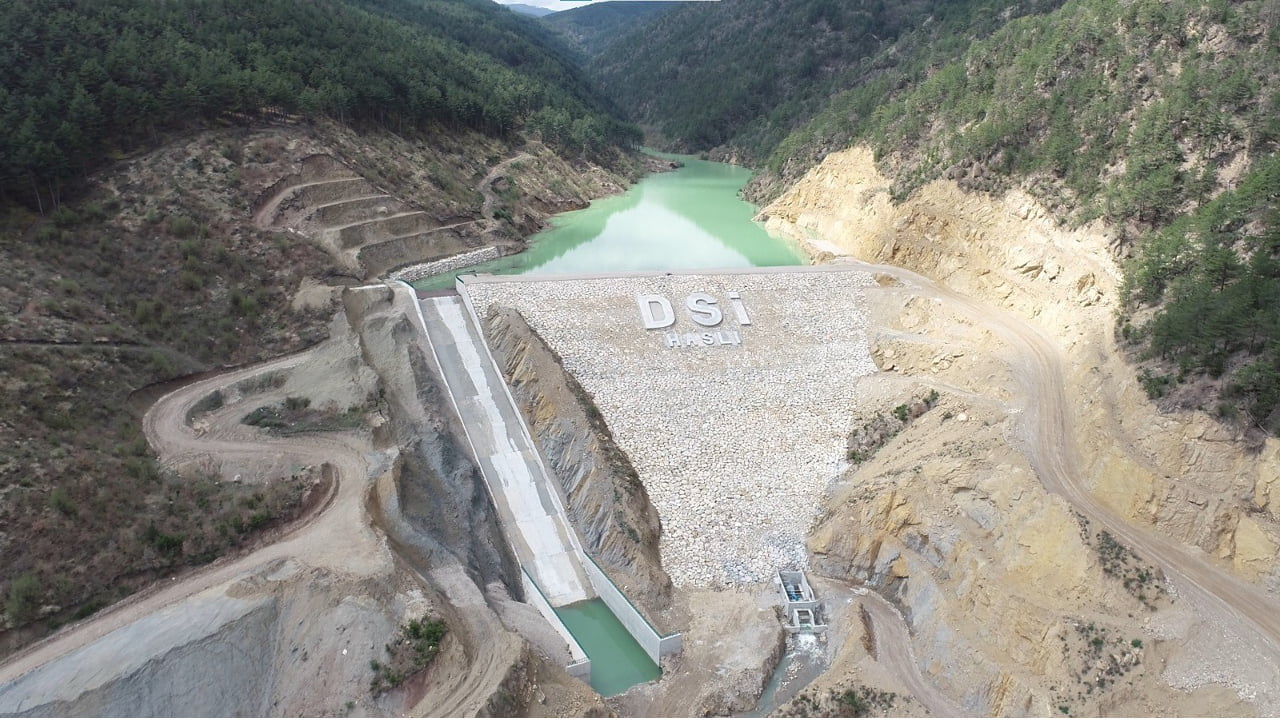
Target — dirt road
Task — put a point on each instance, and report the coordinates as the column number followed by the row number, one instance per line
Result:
column 893, row 643
column 337, row 535
column 340, row 536
column 1051, row 447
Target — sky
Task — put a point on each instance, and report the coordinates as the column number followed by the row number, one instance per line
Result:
column 556, row 4
column 552, row 4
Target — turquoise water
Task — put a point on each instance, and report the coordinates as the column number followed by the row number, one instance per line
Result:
column 686, row 219
column 617, row 660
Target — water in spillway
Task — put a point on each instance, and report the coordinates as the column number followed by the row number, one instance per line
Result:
column 617, row 660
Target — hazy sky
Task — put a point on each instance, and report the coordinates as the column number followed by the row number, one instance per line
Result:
column 553, row 4
column 558, row 4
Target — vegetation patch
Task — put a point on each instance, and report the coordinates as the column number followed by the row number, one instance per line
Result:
column 124, row 540
column 860, row 701
column 414, row 647
column 295, row 415
column 1118, row 561
column 1100, row 659
column 877, row 432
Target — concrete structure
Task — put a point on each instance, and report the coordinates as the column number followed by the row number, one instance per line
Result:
column 556, row 570
column 579, row 665
column 527, row 502
column 803, row 610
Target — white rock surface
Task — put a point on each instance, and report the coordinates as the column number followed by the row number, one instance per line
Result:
column 735, row 444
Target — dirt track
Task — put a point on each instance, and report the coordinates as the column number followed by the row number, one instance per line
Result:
column 894, row 644
column 338, row 535
column 326, row 537
column 1051, row 446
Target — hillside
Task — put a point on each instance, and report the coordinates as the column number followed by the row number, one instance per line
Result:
column 1159, row 118
column 138, row 69
column 530, row 10
column 744, row 74
column 219, row 178
column 592, row 28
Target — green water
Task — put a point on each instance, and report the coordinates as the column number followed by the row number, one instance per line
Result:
column 687, row 219
column 617, row 660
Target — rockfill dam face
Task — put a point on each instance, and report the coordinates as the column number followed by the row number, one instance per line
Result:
column 731, row 392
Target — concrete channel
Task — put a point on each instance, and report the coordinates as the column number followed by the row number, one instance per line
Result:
column 609, row 641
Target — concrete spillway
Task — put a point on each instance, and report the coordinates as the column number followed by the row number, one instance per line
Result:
column 525, row 498
column 609, row 641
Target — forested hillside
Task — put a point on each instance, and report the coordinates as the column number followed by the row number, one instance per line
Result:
column 748, row 72
column 87, row 81
column 592, row 28
column 1163, row 118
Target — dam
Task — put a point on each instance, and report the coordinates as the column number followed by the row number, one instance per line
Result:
column 732, row 391
column 700, row 325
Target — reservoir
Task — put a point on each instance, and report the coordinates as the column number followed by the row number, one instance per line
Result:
column 685, row 219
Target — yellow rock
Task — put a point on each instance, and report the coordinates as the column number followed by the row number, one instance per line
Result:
column 1124, row 486
column 1266, row 491
column 1255, row 550
column 1049, row 555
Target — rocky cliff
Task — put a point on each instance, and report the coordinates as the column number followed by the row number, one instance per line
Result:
column 606, row 501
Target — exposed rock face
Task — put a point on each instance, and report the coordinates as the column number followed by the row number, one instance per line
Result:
column 606, row 500
column 441, row 495
column 1182, row 472
column 1014, row 603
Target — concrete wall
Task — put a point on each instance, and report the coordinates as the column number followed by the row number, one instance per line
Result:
column 579, row 664
column 655, row 645
column 417, row 271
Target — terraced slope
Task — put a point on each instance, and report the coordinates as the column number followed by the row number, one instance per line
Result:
column 366, row 229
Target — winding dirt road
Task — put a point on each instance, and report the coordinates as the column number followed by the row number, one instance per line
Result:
column 1051, row 448
column 338, row 535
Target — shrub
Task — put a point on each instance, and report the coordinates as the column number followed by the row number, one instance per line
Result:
column 59, row 500
column 23, row 601
column 296, row 404
column 183, row 227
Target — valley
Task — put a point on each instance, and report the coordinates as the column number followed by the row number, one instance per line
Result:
column 456, row 401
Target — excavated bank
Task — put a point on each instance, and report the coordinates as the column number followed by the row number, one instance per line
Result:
column 379, row 258
column 1015, row 605
column 607, row 503
column 439, row 519
column 441, row 495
